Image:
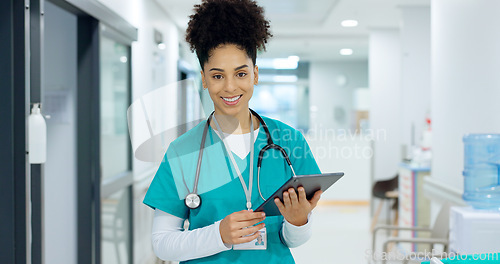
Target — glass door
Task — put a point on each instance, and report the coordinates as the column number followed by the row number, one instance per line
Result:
column 115, row 150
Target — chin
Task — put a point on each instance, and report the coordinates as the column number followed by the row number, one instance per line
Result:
column 234, row 110
column 230, row 111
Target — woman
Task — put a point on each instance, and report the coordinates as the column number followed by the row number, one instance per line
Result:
column 219, row 200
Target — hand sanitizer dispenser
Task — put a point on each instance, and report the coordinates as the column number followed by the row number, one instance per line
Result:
column 37, row 136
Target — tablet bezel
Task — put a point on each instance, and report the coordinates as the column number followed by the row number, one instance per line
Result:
column 311, row 183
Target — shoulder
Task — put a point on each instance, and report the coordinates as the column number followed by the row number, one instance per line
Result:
column 276, row 124
column 282, row 131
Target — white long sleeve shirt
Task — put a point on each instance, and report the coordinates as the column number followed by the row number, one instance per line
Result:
column 171, row 242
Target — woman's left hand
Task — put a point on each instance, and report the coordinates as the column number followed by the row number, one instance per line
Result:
column 295, row 207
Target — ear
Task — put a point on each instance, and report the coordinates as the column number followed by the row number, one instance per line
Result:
column 203, row 82
column 256, row 75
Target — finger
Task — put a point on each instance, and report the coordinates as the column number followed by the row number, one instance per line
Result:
column 239, row 215
column 286, row 200
column 247, row 239
column 244, row 218
column 293, row 197
column 315, row 199
column 302, row 195
column 280, row 205
column 252, row 216
column 248, row 231
column 249, row 218
column 245, row 215
column 250, row 223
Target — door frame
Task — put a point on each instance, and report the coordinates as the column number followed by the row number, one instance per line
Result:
column 17, row 15
column 15, row 229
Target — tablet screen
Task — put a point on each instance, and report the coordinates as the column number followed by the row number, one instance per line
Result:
column 311, row 183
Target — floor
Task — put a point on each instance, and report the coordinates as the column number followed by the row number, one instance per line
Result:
column 340, row 235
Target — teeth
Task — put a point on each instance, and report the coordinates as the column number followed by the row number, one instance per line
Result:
column 231, row 99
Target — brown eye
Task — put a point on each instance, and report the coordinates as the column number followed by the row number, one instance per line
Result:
column 217, row 76
column 242, row 74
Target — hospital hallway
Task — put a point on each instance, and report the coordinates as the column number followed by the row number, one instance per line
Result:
column 341, row 234
column 104, row 106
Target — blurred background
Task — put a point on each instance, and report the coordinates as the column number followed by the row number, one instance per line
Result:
column 383, row 90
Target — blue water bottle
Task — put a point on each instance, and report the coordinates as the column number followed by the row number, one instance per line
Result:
column 482, row 170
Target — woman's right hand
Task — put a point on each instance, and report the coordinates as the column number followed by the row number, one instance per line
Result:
column 238, row 227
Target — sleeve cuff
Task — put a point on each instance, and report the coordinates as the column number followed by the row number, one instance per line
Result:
column 302, row 227
column 293, row 227
column 220, row 244
column 295, row 236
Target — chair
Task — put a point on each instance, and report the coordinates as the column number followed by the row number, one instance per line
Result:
column 438, row 233
column 387, row 191
column 115, row 225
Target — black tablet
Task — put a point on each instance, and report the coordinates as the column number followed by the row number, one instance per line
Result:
column 311, row 184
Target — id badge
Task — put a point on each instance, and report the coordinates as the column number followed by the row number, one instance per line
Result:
column 260, row 243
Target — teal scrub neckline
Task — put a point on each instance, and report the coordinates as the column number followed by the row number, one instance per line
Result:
column 257, row 144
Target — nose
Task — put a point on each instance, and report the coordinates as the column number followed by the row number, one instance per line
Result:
column 230, row 84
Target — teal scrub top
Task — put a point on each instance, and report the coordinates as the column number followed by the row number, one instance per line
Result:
column 220, row 188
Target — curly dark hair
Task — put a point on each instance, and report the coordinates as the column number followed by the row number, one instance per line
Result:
column 216, row 22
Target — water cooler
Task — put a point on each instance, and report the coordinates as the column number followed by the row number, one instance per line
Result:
column 476, row 229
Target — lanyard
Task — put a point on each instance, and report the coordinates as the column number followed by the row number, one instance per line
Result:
column 248, row 191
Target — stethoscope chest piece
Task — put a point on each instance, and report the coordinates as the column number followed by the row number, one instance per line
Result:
column 192, row 201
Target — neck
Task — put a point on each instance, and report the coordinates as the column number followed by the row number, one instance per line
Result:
column 237, row 124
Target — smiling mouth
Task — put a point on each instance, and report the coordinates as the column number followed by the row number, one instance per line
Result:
column 232, row 99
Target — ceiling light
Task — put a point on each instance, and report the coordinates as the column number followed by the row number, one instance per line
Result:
column 162, row 46
column 349, row 23
column 285, row 78
column 284, row 64
column 123, row 59
column 346, row 52
column 280, row 63
column 294, row 58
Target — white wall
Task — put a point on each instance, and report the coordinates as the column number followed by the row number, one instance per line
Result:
column 415, row 71
column 349, row 155
column 385, row 112
column 59, row 100
column 334, row 145
column 325, row 93
column 465, row 80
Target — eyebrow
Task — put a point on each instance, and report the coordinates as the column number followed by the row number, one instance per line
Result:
column 237, row 68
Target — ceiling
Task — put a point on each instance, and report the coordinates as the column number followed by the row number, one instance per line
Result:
column 311, row 29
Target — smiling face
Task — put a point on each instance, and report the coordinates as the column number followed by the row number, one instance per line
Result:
column 230, row 75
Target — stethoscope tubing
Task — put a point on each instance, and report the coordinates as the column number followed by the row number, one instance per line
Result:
column 270, row 145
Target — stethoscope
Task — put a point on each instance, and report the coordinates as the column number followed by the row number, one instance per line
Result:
column 193, row 200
